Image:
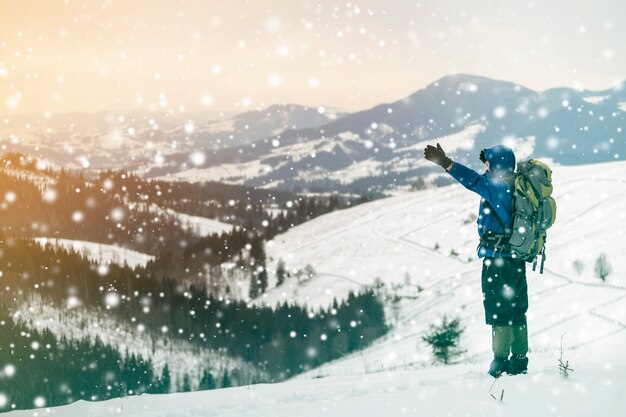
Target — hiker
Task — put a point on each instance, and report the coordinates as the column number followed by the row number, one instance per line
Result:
column 505, row 293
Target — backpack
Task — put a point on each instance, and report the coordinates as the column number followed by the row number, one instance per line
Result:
column 534, row 211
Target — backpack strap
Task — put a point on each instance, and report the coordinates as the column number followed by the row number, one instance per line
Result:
column 493, row 211
column 497, row 242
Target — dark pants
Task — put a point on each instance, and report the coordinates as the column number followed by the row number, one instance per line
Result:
column 505, row 292
column 505, row 298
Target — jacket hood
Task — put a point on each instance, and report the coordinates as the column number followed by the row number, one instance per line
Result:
column 501, row 159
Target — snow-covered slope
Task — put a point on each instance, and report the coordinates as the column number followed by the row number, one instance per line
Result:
column 99, row 252
column 422, row 246
column 594, row 389
column 78, row 322
column 347, row 144
column 200, row 226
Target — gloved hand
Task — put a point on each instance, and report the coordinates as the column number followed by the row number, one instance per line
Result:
column 482, row 156
column 437, row 155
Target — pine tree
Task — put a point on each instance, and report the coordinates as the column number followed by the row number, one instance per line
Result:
column 444, row 339
column 280, row 272
column 253, row 292
column 226, row 382
column 186, row 383
column 262, row 279
column 166, row 380
column 207, row 382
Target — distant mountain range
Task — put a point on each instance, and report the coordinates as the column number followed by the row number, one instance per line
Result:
column 381, row 148
column 117, row 140
column 376, row 150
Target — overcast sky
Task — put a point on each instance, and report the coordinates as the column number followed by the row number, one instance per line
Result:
column 71, row 55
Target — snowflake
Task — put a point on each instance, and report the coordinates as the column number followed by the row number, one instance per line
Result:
column 197, row 158
column 78, row 216
column 39, row 402
column 112, row 300
column 499, row 112
column 9, row 370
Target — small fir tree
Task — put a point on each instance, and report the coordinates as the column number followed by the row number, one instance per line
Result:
column 226, row 382
column 166, row 380
column 186, row 383
column 444, row 339
column 262, row 277
column 254, row 290
column 280, row 272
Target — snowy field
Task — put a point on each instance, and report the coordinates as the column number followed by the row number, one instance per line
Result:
column 594, row 389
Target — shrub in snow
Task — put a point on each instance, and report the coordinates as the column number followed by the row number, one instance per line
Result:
column 578, row 266
column 471, row 219
column 309, row 272
column 444, row 339
column 418, row 184
column 603, row 268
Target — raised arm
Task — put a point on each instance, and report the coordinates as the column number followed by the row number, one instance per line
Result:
column 469, row 178
column 472, row 180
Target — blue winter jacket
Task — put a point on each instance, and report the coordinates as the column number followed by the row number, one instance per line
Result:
column 495, row 187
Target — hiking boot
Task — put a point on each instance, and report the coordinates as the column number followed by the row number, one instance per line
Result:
column 498, row 365
column 517, row 365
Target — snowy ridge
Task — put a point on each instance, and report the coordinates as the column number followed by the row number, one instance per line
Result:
column 103, row 139
column 595, row 99
column 43, row 182
column 200, row 226
column 99, row 252
column 346, row 143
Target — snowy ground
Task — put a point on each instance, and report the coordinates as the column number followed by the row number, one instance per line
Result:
column 595, row 388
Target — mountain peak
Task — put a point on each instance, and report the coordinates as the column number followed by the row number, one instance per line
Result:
column 285, row 106
column 619, row 86
column 470, row 81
